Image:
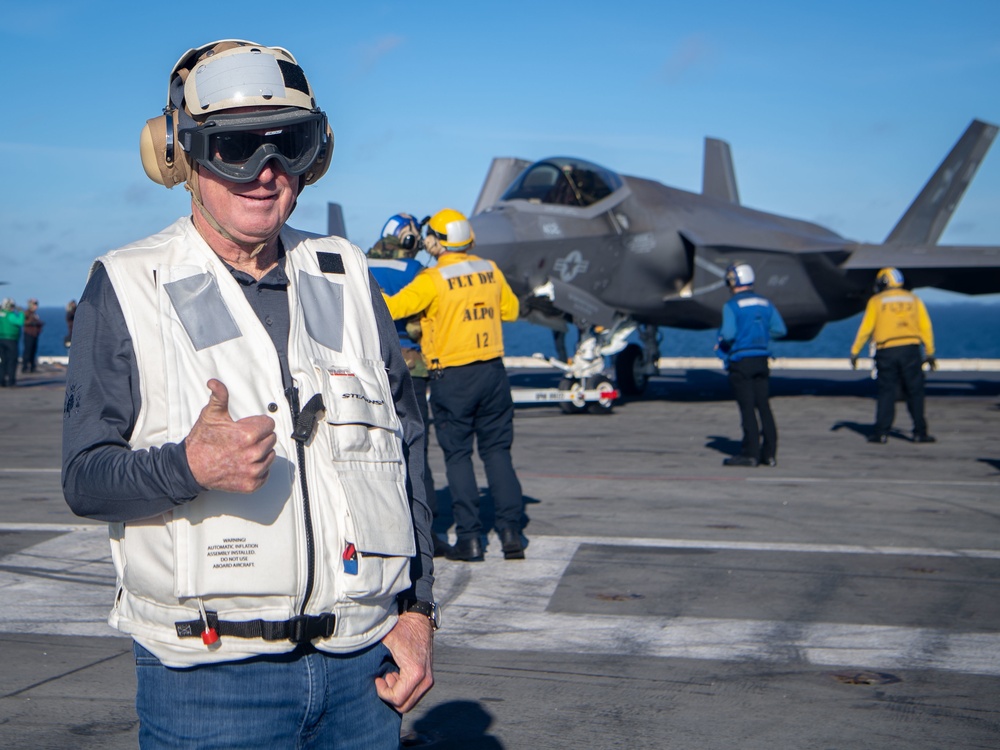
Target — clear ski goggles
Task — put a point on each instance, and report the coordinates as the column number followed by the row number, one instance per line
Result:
column 237, row 146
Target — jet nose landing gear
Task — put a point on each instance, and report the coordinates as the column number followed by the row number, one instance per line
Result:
column 585, row 387
column 595, row 395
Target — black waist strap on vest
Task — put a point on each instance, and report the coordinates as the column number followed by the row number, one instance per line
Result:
column 299, row 629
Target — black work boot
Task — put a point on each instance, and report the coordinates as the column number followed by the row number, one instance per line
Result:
column 441, row 547
column 467, row 550
column 510, row 543
column 740, row 461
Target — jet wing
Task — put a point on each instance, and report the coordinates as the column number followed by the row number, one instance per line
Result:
column 969, row 269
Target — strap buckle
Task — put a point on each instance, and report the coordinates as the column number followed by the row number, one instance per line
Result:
column 307, row 628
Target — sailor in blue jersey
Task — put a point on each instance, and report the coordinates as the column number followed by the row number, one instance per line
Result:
column 749, row 322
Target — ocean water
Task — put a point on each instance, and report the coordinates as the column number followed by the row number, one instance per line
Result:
column 961, row 330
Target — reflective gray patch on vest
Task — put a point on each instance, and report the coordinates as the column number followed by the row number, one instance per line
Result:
column 323, row 306
column 468, row 266
column 202, row 310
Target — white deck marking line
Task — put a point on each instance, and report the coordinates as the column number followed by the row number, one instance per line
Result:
column 53, row 527
column 931, row 482
column 65, row 586
column 840, row 549
column 734, row 478
column 499, row 605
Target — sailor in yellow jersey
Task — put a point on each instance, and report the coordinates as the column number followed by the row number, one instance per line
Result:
column 462, row 302
column 897, row 321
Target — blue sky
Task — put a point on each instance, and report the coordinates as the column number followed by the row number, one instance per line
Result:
column 836, row 112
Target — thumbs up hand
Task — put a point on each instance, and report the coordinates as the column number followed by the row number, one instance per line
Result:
column 228, row 455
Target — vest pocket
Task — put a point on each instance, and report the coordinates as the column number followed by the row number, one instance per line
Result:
column 381, row 530
column 360, row 412
column 366, row 450
column 228, row 544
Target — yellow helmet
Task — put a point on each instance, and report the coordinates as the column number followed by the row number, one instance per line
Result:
column 888, row 278
column 451, row 228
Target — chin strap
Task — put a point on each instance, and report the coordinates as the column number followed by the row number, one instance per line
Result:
column 192, row 187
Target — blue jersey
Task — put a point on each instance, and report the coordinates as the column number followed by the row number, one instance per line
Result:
column 392, row 275
column 749, row 322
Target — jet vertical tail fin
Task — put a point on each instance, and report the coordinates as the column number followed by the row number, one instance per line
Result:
column 930, row 212
column 335, row 225
column 718, row 179
column 502, row 172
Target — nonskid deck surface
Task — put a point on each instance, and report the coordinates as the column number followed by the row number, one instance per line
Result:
column 846, row 598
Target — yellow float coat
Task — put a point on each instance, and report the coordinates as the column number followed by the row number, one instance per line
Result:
column 462, row 302
column 895, row 317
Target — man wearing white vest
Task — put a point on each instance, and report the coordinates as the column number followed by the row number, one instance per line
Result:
column 238, row 409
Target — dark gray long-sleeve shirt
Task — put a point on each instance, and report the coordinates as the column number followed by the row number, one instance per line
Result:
column 104, row 479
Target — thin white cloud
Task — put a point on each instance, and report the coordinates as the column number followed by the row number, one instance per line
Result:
column 372, row 54
column 692, row 52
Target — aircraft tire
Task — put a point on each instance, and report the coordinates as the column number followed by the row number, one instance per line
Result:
column 631, row 379
column 568, row 407
column 603, row 406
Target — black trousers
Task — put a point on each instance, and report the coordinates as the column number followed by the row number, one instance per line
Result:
column 900, row 367
column 30, row 353
column 420, row 390
column 8, row 361
column 472, row 403
column 750, row 381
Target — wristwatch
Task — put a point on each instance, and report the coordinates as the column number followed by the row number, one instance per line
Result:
column 430, row 610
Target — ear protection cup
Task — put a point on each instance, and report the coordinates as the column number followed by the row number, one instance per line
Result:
column 163, row 159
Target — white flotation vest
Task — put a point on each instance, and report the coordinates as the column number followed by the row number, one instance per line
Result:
column 321, row 551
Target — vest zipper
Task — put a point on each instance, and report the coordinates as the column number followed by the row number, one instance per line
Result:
column 300, row 452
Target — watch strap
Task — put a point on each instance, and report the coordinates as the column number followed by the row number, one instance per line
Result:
column 428, row 609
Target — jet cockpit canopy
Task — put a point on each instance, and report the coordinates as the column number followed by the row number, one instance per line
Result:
column 563, row 181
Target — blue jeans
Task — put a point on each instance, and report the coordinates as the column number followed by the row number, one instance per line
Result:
column 303, row 699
